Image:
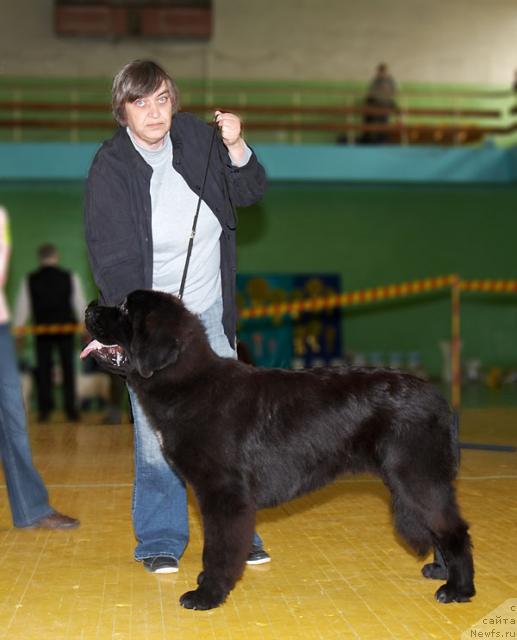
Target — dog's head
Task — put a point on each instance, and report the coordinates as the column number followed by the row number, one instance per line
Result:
column 144, row 334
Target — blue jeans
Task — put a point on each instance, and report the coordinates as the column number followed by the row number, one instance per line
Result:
column 27, row 494
column 160, row 516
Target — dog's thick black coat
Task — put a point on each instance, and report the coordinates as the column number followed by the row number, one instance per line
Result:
column 247, row 438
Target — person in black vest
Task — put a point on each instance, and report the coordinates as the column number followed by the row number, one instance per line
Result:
column 52, row 296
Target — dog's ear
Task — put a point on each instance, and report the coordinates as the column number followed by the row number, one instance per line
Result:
column 148, row 358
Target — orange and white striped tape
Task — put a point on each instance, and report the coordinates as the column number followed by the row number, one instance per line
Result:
column 364, row 296
column 347, row 299
column 48, row 329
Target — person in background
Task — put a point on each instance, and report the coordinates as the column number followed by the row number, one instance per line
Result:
column 28, row 496
column 52, row 295
column 382, row 94
column 383, row 88
column 141, row 195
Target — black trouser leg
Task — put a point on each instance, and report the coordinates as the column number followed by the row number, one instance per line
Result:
column 65, row 346
column 44, row 375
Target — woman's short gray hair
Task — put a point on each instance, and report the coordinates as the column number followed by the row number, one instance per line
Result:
column 136, row 80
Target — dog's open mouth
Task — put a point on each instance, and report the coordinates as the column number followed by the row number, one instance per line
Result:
column 108, row 355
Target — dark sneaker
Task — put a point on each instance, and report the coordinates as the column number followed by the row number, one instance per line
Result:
column 257, row 555
column 161, row 564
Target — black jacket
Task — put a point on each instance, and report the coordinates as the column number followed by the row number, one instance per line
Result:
column 50, row 290
column 118, row 208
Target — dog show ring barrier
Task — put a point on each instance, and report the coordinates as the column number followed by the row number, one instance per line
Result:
column 48, row 329
column 452, row 282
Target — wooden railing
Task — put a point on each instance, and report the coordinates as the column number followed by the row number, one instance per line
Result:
column 275, row 113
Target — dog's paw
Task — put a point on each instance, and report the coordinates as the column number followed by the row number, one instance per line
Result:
column 201, row 599
column 435, row 571
column 450, row 593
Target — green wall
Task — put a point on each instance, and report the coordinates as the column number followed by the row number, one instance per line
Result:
column 370, row 235
column 382, row 235
column 46, row 212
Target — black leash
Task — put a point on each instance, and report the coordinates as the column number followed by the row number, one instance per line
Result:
column 194, row 223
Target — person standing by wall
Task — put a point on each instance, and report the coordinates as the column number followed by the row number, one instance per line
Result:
column 381, row 98
column 52, row 295
column 28, row 496
column 142, row 192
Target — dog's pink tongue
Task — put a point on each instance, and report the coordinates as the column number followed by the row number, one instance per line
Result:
column 94, row 345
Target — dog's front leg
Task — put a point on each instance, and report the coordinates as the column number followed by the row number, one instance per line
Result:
column 228, row 537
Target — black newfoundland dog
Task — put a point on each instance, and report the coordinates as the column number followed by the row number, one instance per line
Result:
column 247, row 438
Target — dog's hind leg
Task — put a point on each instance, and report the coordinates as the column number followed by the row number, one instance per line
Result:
column 410, row 524
column 228, row 527
column 426, row 513
column 450, row 532
column 436, row 570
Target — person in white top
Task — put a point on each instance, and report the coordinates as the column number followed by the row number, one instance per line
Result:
column 142, row 191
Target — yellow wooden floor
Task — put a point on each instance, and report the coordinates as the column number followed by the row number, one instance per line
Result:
column 337, row 572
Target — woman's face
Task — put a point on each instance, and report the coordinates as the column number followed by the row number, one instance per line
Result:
column 150, row 117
